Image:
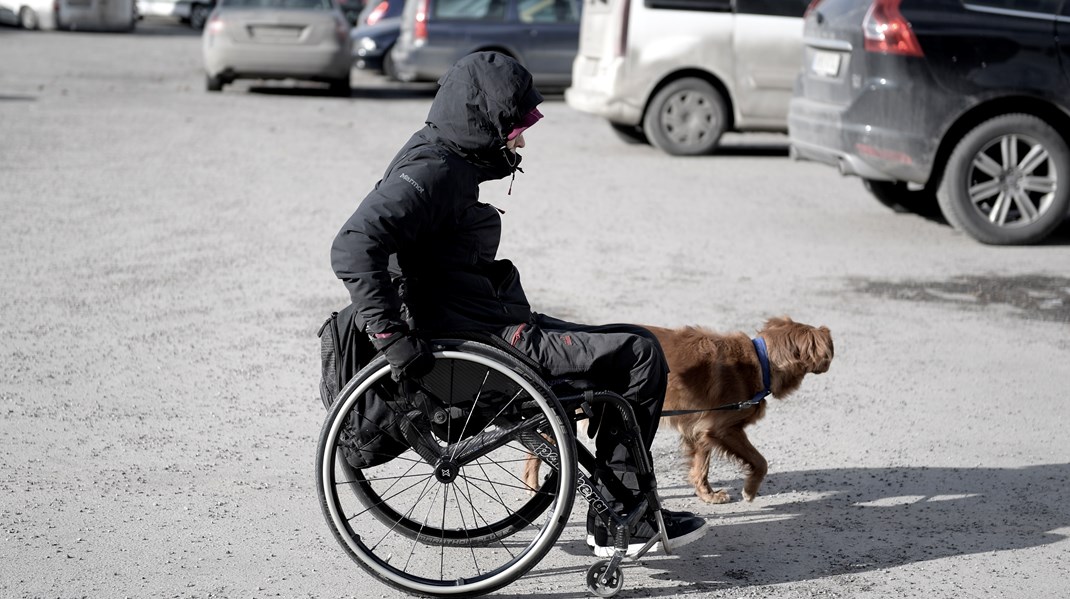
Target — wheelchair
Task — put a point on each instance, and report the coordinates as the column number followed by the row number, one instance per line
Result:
column 429, row 499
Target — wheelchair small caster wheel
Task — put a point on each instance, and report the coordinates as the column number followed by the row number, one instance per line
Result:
column 603, row 583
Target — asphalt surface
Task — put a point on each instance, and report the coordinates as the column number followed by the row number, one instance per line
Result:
column 164, row 262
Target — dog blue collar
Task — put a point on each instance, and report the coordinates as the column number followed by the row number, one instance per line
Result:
column 763, row 359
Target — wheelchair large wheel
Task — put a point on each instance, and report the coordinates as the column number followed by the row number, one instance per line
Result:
column 450, row 514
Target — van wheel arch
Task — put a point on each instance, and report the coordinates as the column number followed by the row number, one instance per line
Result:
column 687, row 116
column 708, row 78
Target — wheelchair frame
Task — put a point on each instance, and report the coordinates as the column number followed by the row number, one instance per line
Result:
column 542, row 423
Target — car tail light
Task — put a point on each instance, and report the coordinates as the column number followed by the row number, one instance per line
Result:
column 622, row 38
column 811, row 7
column 377, row 13
column 888, row 32
column 419, row 30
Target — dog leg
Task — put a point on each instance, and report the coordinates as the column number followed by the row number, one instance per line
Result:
column 531, row 472
column 736, row 445
column 699, row 474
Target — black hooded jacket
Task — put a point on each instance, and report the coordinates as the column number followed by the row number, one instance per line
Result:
column 426, row 210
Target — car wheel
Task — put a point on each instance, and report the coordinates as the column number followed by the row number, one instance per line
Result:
column 629, row 134
column 686, row 118
column 214, row 84
column 28, row 18
column 390, row 70
column 900, row 198
column 198, row 16
column 1008, row 181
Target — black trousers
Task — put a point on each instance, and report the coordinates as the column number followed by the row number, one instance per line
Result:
column 622, row 358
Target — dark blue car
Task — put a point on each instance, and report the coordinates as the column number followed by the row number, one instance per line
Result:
column 378, row 28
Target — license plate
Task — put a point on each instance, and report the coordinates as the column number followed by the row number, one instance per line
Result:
column 825, row 64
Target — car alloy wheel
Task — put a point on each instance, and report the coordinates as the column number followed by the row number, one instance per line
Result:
column 28, row 18
column 1008, row 181
column 686, row 118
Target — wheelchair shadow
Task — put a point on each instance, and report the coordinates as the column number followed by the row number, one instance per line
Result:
column 821, row 523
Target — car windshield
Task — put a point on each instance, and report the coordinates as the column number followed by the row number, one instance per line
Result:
column 301, row 4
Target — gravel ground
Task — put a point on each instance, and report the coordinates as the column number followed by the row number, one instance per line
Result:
column 164, row 254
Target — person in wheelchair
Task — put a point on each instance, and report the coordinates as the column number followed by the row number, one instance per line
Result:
column 425, row 213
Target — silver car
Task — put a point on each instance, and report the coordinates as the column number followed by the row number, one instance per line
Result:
column 277, row 39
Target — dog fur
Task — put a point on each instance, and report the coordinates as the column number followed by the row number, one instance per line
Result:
column 709, row 369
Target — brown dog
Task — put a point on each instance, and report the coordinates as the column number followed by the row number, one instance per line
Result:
column 707, row 370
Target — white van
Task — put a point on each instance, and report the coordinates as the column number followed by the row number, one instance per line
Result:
column 679, row 73
column 96, row 15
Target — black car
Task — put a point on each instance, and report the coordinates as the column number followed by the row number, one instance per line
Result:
column 961, row 102
column 376, row 32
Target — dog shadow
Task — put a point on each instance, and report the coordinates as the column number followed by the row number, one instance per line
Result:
column 813, row 524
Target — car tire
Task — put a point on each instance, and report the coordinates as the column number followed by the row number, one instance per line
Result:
column 900, row 198
column 1008, row 181
column 214, row 83
column 28, row 19
column 390, row 70
column 686, row 118
column 629, row 134
column 198, row 16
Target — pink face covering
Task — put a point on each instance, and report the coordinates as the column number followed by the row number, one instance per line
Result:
column 526, row 121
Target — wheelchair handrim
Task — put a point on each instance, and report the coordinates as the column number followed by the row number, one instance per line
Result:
column 487, row 581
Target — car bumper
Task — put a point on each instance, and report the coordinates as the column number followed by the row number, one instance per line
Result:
column 596, row 90
column 326, row 61
column 881, row 134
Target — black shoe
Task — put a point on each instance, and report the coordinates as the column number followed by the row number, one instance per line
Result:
column 682, row 528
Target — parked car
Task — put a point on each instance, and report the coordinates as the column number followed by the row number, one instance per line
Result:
column 377, row 30
column 96, row 15
column 540, row 34
column 964, row 103
column 277, row 39
column 28, row 14
column 679, row 74
column 191, row 12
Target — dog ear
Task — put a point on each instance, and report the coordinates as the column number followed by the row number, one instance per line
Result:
column 815, row 349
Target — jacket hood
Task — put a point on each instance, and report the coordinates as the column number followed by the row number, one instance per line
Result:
column 480, row 100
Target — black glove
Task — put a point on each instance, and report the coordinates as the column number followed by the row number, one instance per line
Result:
column 409, row 356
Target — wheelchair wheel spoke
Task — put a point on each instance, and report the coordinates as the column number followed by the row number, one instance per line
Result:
column 400, row 520
column 383, row 501
column 423, row 525
column 475, row 510
column 475, row 402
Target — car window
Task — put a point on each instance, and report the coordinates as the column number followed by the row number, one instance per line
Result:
column 548, row 11
column 1048, row 7
column 488, row 10
column 302, row 4
column 774, row 8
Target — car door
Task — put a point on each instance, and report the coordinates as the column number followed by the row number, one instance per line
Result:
column 768, row 50
column 549, row 38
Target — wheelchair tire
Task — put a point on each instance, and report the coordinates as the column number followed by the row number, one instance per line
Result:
column 466, row 524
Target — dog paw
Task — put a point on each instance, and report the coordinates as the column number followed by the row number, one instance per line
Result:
column 715, row 496
column 749, row 496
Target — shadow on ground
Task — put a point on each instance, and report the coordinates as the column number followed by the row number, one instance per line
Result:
column 862, row 519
